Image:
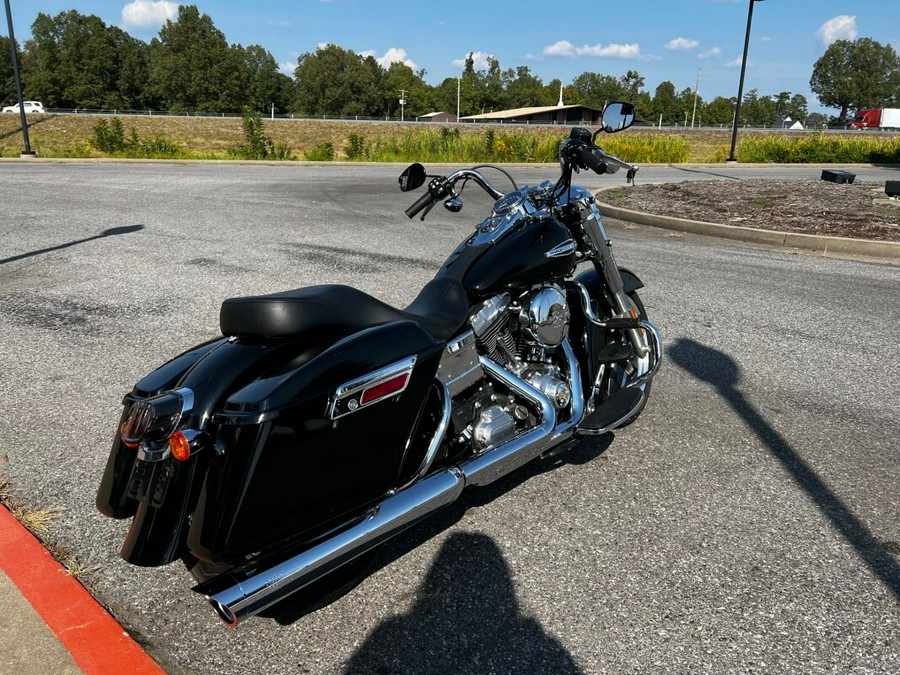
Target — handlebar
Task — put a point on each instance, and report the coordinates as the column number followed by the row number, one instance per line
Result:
column 441, row 187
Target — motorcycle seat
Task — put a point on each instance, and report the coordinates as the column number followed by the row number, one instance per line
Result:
column 441, row 308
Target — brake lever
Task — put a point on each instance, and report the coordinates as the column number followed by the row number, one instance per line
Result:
column 427, row 209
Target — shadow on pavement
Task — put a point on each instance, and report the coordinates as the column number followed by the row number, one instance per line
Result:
column 721, row 371
column 466, row 620
column 111, row 232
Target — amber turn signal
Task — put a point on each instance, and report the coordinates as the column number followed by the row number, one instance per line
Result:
column 180, row 446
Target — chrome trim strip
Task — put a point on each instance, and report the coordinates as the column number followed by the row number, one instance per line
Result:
column 251, row 596
column 349, row 389
column 435, row 443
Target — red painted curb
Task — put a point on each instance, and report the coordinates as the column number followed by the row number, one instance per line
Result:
column 96, row 642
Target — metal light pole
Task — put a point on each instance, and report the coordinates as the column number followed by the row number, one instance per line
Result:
column 402, row 102
column 15, row 64
column 737, row 110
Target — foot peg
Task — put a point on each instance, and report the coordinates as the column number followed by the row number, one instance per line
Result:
column 615, row 353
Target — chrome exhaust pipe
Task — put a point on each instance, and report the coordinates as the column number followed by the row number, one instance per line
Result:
column 509, row 456
column 241, row 599
column 265, row 588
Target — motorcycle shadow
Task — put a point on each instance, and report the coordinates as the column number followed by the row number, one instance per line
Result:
column 338, row 584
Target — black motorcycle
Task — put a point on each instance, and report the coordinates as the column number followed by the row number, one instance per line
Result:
column 276, row 459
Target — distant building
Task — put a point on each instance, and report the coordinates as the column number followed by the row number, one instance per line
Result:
column 437, row 117
column 548, row 114
column 787, row 123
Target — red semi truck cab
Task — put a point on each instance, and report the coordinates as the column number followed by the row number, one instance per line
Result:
column 877, row 118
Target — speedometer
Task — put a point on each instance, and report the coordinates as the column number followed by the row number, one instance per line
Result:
column 508, row 203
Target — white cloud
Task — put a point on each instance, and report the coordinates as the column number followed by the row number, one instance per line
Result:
column 561, row 48
column 566, row 48
column 839, row 28
column 681, row 44
column 737, row 63
column 710, row 53
column 288, row 67
column 393, row 55
column 480, row 59
column 148, row 13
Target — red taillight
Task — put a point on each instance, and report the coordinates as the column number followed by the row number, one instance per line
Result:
column 135, row 426
column 386, row 388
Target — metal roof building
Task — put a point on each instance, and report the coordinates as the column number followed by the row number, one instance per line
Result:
column 549, row 114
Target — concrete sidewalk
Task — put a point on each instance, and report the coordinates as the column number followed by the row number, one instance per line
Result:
column 49, row 623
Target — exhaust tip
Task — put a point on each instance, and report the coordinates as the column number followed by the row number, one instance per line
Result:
column 222, row 611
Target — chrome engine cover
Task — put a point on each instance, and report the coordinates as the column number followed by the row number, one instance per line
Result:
column 494, row 426
column 545, row 317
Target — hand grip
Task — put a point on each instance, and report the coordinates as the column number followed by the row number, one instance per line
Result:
column 422, row 202
column 591, row 161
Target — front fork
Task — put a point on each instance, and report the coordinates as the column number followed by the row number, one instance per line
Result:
column 601, row 245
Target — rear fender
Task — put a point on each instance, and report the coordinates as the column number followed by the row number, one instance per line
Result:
column 212, row 372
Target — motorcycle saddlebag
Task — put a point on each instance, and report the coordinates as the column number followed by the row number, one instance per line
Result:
column 305, row 447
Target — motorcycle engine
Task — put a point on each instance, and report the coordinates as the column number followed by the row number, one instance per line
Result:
column 523, row 336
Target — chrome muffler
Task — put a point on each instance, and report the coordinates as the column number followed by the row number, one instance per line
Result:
column 268, row 586
column 241, row 599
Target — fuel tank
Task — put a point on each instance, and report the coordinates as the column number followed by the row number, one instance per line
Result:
column 531, row 253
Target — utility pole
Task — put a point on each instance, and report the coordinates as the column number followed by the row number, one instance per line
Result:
column 15, row 64
column 402, row 102
column 737, row 109
column 458, row 82
column 696, row 94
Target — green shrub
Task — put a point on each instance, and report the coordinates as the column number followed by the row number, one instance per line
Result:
column 818, row 148
column 357, row 147
column 109, row 138
column 324, row 152
column 256, row 144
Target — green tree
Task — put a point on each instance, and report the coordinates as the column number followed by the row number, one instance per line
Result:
column 336, row 81
column 595, row 90
column 858, row 74
column 75, row 60
column 193, row 68
column 719, row 112
column 267, row 85
column 7, row 78
column 524, row 90
column 757, row 111
column 665, row 104
column 400, row 77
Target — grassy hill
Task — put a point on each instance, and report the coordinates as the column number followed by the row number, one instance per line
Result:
column 216, row 138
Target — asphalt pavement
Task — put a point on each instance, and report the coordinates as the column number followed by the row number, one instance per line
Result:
column 748, row 522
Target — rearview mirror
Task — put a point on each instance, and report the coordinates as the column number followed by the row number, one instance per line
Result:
column 617, row 116
column 412, row 178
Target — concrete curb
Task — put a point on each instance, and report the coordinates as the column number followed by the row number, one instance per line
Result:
column 64, row 611
column 811, row 242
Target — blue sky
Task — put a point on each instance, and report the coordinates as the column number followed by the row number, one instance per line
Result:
column 661, row 39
